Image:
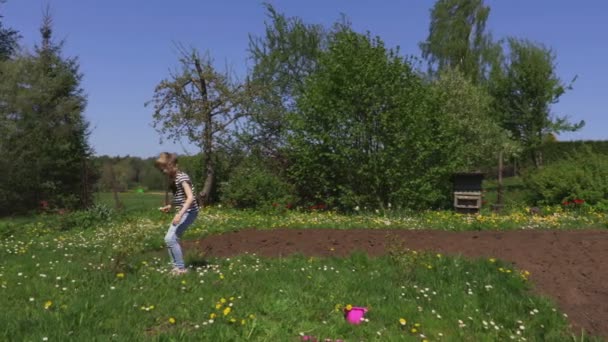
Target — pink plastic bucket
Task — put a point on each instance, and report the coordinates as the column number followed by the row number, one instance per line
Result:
column 355, row 315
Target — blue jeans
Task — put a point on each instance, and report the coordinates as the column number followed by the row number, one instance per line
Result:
column 174, row 233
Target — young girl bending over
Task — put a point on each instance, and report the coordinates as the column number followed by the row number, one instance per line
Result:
column 184, row 204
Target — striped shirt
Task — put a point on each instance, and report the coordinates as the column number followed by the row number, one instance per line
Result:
column 179, row 197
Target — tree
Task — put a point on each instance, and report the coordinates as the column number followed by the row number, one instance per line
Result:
column 476, row 138
column 46, row 135
column 524, row 90
column 283, row 58
column 458, row 39
column 202, row 105
column 369, row 131
column 8, row 40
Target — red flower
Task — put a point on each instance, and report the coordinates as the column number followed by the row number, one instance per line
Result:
column 566, row 203
column 579, row 201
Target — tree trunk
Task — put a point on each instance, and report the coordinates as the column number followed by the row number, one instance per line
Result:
column 204, row 197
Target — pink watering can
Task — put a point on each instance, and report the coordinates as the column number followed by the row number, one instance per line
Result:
column 355, row 314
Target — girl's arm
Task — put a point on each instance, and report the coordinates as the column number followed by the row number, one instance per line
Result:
column 187, row 203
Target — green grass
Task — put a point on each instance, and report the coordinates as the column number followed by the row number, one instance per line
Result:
column 69, row 286
column 132, row 201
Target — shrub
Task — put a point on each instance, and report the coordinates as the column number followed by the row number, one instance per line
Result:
column 583, row 175
column 252, row 186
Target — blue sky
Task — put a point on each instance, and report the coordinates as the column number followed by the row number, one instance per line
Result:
column 126, row 47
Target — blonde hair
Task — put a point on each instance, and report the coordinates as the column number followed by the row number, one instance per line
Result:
column 167, row 161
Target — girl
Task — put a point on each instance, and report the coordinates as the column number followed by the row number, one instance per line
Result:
column 185, row 204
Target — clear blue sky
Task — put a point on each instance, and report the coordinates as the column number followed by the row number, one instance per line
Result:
column 126, row 47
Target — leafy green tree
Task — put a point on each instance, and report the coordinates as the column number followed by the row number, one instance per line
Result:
column 468, row 122
column 524, row 89
column 283, row 57
column 202, row 105
column 361, row 133
column 46, row 135
column 458, row 39
column 8, row 40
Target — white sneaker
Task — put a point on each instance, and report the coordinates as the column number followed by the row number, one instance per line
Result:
column 178, row 271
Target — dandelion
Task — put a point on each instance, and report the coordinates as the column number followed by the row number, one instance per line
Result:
column 212, row 316
column 402, row 321
column 492, row 260
column 48, row 304
column 414, row 330
column 120, row 275
column 227, row 311
column 172, row 320
column 349, row 307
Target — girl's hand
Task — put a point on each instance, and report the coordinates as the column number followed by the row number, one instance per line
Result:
column 176, row 219
column 165, row 209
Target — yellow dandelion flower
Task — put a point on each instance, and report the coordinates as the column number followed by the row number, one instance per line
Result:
column 242, row 322
column 223, row 300
column 402, row 321
column 252, row 316
column 172, row 320
column 212, row 316
column 48, row 304
column 227, row 311
column 349, row 307
column 183, row 282
column 417, row 325
column 414, row 330
column 232, row 320
column 492, row 260
column 231, row 298
column 120, row 275
column 221, row 276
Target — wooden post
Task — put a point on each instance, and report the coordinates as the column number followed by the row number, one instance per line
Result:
column 499, row 189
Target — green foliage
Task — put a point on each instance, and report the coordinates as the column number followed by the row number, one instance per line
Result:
column 524, row 91
column 370, row 132
column 283, row 57
column 252, row 185
column 583, row 175
column 458, row 39
column 8, row 40
column 44, row 135
column 558, row 150
column 94, row 216
column 466, row 122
